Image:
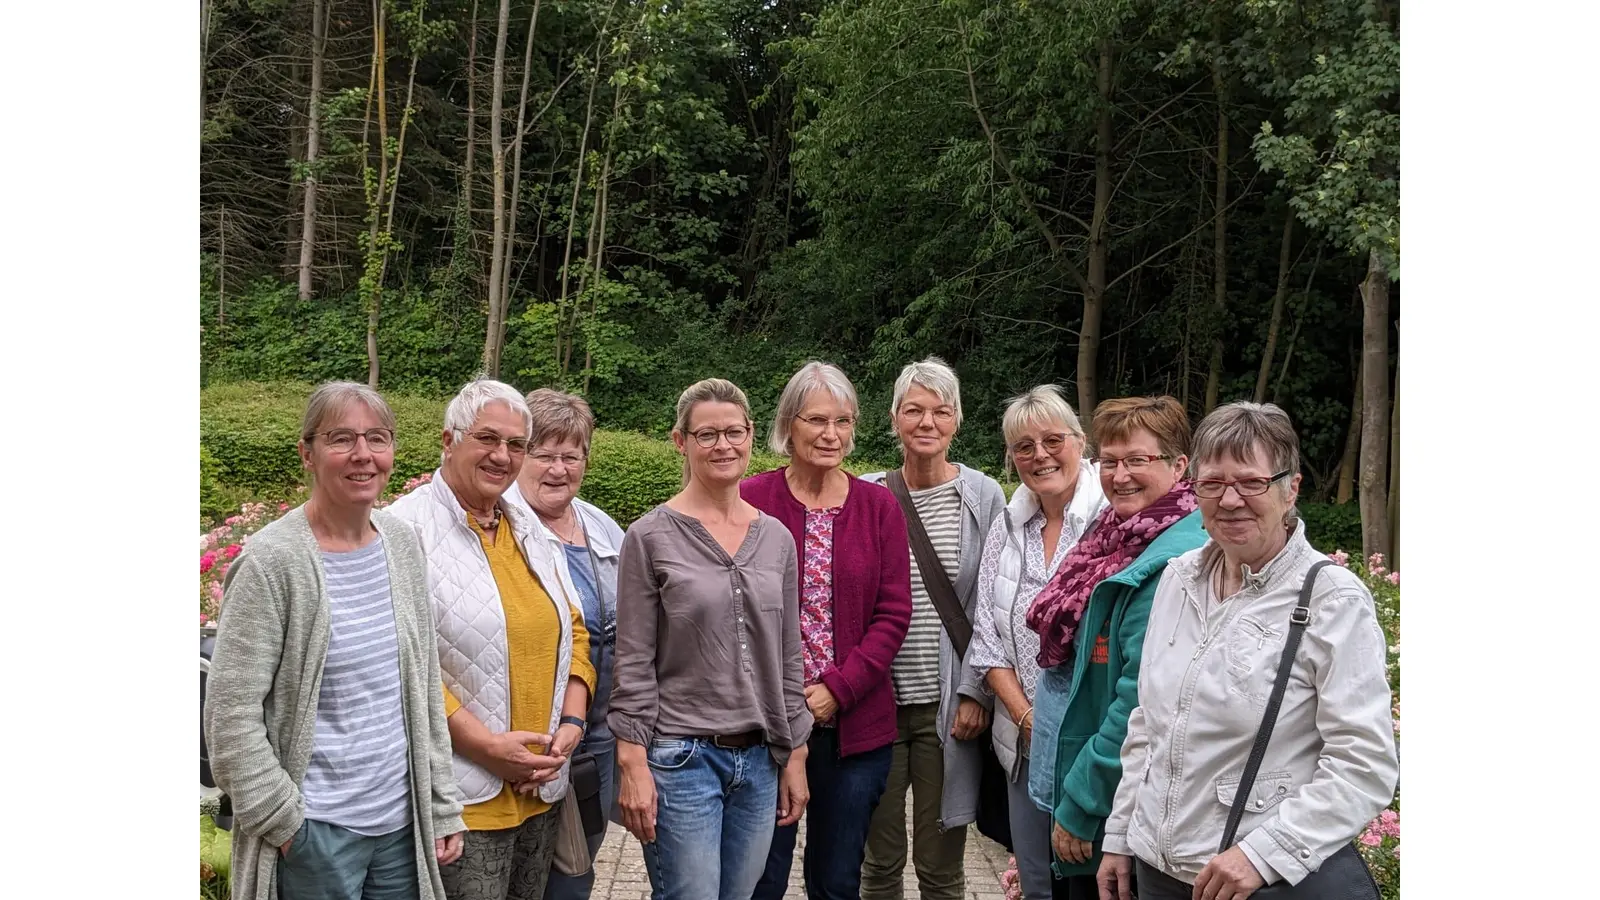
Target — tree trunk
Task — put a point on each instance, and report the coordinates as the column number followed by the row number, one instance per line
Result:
column 502, row 292
column 564, row 318
column 222, row 264
column 1352, row 445
column 472, row 117
column 1279, row 297
column 206, row 16
column 497, row 189
column 375, row 198
column 1374, row 479
column 308, row 213
column 1094, row 297
column 1220, row 225
column 1394, row 471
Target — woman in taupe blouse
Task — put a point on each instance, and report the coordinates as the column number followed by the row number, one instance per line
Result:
column 708, row 705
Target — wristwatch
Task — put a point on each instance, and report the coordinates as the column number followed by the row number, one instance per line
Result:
column 583, row 726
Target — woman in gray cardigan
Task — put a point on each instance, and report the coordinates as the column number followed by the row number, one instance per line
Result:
column 323, row 712
column 942, row 704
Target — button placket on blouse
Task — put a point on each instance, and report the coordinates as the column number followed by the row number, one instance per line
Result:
column 742, row 629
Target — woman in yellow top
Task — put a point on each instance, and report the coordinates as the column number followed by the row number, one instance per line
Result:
column 512, row 647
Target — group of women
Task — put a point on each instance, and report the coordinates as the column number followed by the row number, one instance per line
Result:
column 398, row 695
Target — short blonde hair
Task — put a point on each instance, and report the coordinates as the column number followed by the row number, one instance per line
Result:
column 1043, row 405
column 707, row 390
column 559, row 416
column 812, row 376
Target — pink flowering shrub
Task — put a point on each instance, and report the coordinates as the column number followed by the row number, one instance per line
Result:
column 221, row 545
column 1379, row 843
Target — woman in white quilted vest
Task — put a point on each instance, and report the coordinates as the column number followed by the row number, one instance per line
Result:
column 1058, row 500
column 323, row 711
column 513, row 649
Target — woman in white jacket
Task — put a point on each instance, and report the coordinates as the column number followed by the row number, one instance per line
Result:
column 1059, row 498
column 1217, row 631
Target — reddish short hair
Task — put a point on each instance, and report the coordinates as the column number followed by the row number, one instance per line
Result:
column 1162, row 416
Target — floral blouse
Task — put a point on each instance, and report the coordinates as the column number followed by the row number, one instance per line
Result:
column 816, row 593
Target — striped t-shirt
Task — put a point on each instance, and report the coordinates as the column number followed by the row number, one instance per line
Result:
column 915, row 671
column 358, row 777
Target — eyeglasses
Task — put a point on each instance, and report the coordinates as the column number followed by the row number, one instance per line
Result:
column 570, row 460
column 490, row 441
column 736, row 435
column 915, row 413
column 1134, row 463
column 843, row 423
column 1026, row 449
column 343, row 440
column 1213, row 488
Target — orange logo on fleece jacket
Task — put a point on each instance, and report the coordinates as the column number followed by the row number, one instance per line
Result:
column 1102, row 651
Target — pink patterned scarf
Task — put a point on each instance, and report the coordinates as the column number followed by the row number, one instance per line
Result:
column 1109, row 547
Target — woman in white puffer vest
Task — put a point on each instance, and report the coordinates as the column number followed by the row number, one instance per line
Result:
column 1058, row 500
column 513, row 649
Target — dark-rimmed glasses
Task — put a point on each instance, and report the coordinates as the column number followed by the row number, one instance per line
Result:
column 1134, row 463
column 1214, row 488
column 736, row 435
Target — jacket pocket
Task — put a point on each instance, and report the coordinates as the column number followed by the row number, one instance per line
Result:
column 1254, row 649
column 667, row 754
column 1269, row 790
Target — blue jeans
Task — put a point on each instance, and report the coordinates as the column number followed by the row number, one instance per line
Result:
column 577, row 887
column 326, row 861
column 844, row 793
column 715, row 811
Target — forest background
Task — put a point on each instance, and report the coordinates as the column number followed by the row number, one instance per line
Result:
column 618, row 197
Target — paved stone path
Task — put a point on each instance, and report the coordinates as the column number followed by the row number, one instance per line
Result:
column 620, row 874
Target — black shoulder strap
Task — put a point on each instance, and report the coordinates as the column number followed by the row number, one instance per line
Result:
column 934, row 578
column 1297, row 630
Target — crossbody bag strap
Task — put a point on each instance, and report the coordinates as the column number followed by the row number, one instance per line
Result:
column 1297, row 629
column 934, row 578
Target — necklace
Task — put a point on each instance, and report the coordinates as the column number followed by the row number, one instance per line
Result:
column 552, row 526
column 494, row 519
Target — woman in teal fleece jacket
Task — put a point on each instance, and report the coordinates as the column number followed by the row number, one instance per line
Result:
column 1091, row 621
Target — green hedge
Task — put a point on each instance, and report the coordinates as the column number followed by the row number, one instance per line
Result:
column 247, row 451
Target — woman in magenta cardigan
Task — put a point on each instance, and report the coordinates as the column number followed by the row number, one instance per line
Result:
column 855, row 606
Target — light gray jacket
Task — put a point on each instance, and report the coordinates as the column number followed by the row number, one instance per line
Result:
column 981, row 501
column 1208, row 670
column 266, row 674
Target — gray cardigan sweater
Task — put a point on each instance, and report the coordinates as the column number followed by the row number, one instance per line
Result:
column 981, row 501
column 266, row 673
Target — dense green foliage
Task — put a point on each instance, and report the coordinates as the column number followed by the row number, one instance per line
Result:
column 731, row 187
column 247, row 453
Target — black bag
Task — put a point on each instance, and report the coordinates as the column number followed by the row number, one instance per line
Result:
column 994, row 805
column 585, row 789
column 1342, row 876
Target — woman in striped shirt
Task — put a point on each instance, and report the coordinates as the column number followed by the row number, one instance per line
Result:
column 942, row 703
column 323, row 712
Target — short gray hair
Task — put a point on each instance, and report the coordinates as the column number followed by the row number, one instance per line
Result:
column 814, row 375
column 1042, row 405
column 1235, row 430
column 332, row 398
column 470, row 402
column 934, row 374
column 559, row 416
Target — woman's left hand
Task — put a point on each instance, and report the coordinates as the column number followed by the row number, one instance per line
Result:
column 566, row 740
column 1229, row 876
column 793, row 792
column 447, row 849
column 1068, row 847
column 821, row 702
column 971, row 719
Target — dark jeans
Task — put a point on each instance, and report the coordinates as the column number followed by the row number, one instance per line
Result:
column 1153, row 884
column 844, row 792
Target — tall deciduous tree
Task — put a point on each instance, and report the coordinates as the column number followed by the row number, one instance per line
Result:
column 308, row 214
